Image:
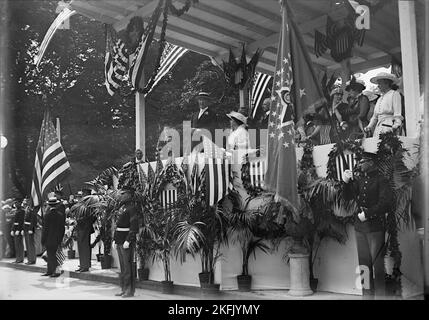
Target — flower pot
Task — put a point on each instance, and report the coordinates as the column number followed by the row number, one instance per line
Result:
column 299, row 275
column 143, row 274
column 313, row 284
column 71, row 254
column 106, row 261
column 244, row 282
column 210, row 288
column 205, row 277
column 167, row 287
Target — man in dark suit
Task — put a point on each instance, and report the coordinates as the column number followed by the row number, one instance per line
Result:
column 53, row 233
column 8, row 227
column 30, row 224
column 124, row 239
column 84, row 230
column 18, row 232
column 205, row 121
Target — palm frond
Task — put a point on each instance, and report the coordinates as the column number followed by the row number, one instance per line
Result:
column 188, row 239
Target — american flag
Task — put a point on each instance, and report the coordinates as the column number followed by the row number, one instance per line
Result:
column 137, row 63
column 258, row 89
column 217, row 172
column 296, row 91
column 50, row 164
column 169, row 58
column 115, row 63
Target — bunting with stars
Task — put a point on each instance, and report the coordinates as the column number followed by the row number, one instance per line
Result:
column 296, row 92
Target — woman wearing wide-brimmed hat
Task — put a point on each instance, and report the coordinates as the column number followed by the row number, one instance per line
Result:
column 238, row 142
column 388, row 110
column 358, row 106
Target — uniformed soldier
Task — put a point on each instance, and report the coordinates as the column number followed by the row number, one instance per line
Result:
column 30, row 224
column 18, row 232
column 124, row 240
column 373, row 195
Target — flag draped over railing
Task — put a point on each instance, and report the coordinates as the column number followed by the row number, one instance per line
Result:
column 217, row 172
column 296, row 92
column 258, row 89
column 116, row 61
column 50, row 165
column 63, row 16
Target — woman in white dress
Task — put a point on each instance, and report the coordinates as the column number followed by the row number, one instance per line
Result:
column 238, row 142
column 388, row 109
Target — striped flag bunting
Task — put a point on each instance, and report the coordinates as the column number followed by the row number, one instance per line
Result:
column 63, row 16
column 139, row 57
column 258, row 90
column 217, row 171
column 169, row 58
column 50, row 164
column 115, row 62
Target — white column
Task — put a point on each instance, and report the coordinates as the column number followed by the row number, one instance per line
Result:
column 410, row 66
column 425, row 158
column 140, row 124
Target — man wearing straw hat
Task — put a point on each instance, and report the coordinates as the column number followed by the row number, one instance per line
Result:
column 205, row 120
column 388, row 109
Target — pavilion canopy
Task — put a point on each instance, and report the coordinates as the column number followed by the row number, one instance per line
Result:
column 212, row 27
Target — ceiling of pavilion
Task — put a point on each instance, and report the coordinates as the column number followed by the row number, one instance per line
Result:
column 211, row 27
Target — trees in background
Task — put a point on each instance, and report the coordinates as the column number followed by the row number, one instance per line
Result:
column 97, row 130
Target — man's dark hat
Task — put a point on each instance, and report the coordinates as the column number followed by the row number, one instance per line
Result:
column 356, row 85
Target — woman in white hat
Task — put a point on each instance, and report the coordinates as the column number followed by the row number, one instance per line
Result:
column 387, row 111
column 238, row 142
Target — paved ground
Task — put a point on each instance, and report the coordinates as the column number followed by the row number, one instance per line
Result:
column 28, row 284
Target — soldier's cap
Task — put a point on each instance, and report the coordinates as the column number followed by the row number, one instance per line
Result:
column 369, row 156
column 53, row 201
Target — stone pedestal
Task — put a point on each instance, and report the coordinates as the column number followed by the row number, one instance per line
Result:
column 299, row 275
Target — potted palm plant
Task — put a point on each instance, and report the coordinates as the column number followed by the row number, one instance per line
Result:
column 243, row 225
column 201, row 229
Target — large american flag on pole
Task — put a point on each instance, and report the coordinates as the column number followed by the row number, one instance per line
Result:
column 50, row 164
column 217, row 172
column 296, row 92
column 139, row 57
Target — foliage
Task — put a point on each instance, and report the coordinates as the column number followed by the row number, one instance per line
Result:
column 390, row 161
column 243, row 225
